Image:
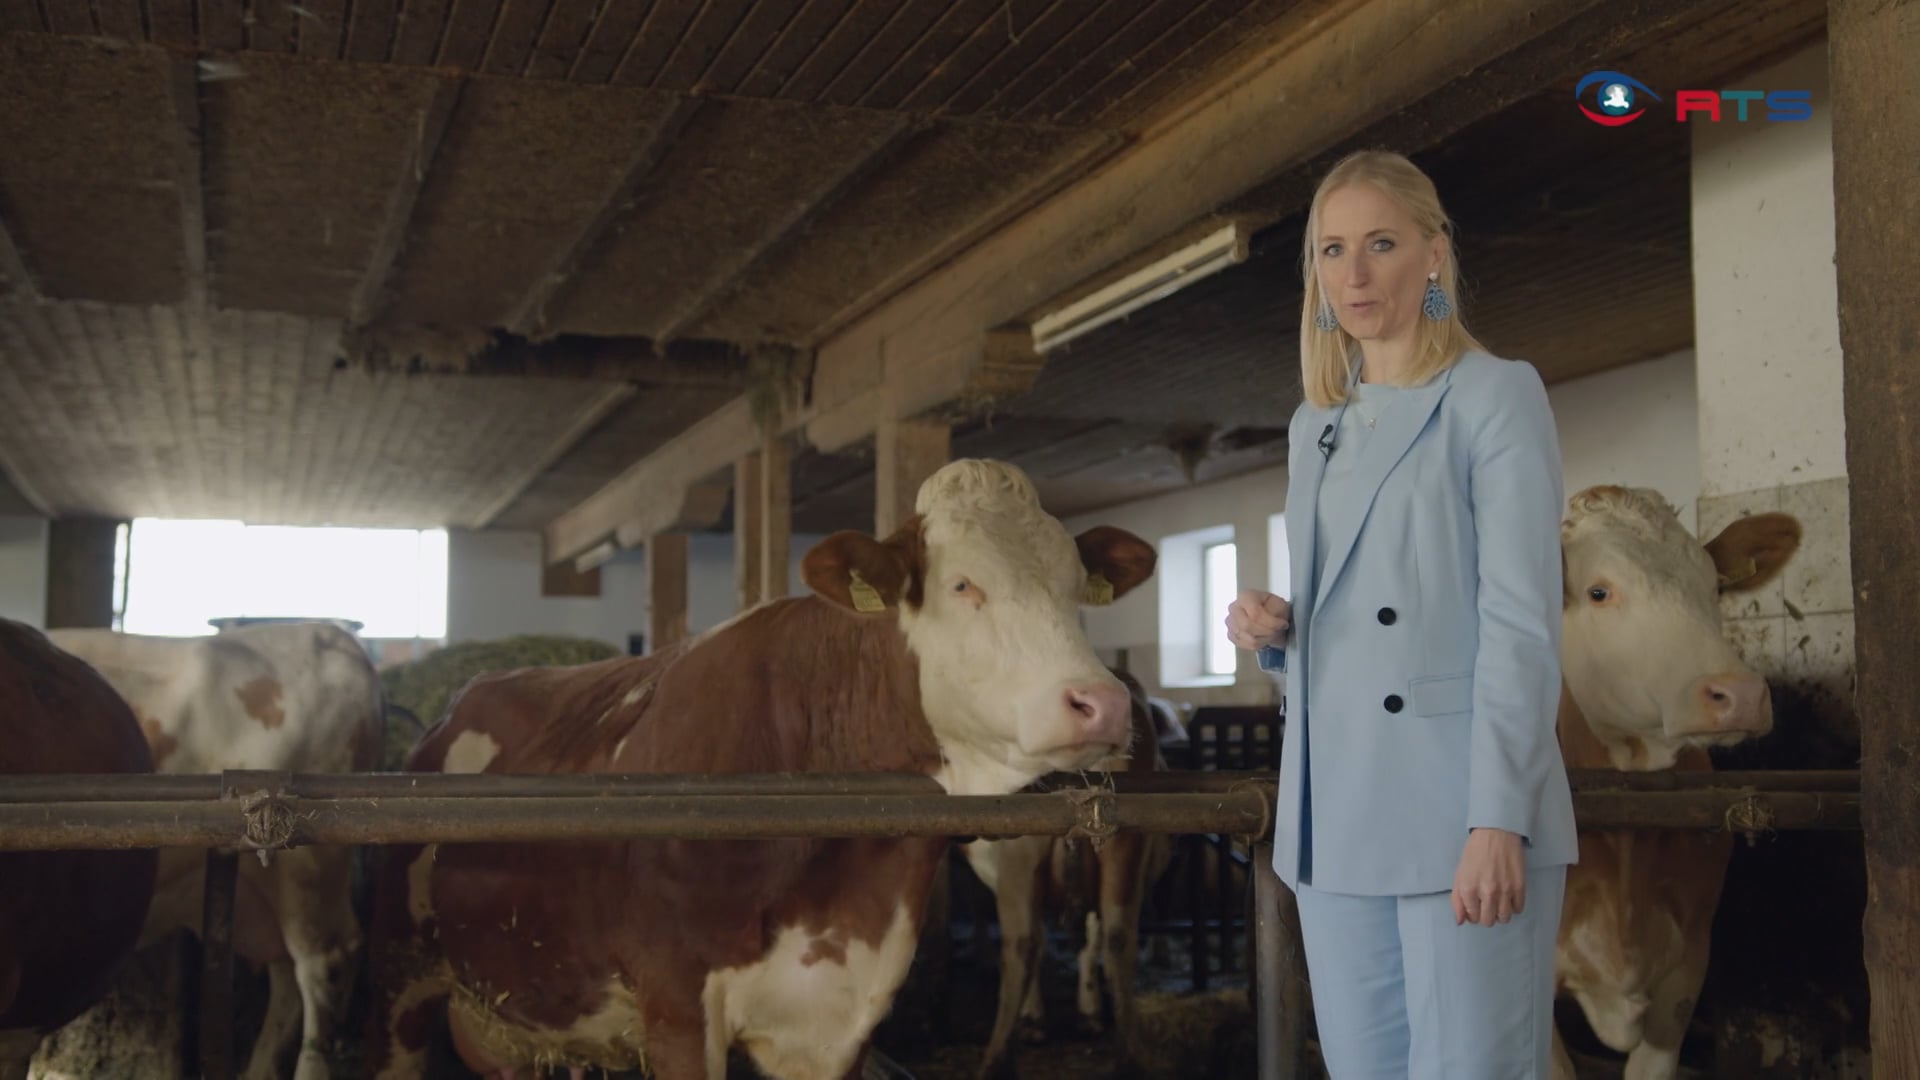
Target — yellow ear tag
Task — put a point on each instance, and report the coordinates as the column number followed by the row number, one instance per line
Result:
column 865, row 596
column 1099, row 590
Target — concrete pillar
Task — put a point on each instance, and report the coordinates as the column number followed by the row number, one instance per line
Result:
column 1875, row 51
column 666, row 556
column 1773, row 437
column 905, row 453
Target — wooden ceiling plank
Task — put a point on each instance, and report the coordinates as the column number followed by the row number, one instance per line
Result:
column 272, row 28
column 803, row 36
column 469, row 31
column 1189, row 48
column 369, row 295
column 70, row 18
column 510, row 47
column 319, row 28
column 529, row 316
column 21, row 17
column 843, row 41
column 1024, row 49
column 371, row 33
column 607, row 42
column 702, row 43
column 170, row 23
column 899, row 37
column 570, row 26
column 734, row 269
column 421, row 32
column 666, row 23
column 1140, row 47
column 946, row 62
column 223, row 25
column 120, row 19
column 755, row 36
column 1086, row 39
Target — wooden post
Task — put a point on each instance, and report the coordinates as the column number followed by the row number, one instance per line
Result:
column 775, row 517
column 1874, row 56
column 906, row 452
column 747, row 503
column 666, row 590
column 80, row 572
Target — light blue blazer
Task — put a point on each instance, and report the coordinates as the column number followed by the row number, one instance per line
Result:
column 1423, row 666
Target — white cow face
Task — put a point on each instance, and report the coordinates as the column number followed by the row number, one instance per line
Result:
column 987, row 588
column 1643, row 650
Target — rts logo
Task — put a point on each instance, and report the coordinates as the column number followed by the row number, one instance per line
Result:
column 1617, row 101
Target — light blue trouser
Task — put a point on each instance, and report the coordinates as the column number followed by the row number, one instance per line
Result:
column 1400, row 992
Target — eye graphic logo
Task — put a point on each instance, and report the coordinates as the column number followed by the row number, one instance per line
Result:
column 1616, row 97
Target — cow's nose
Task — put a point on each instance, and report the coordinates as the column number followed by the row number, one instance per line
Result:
column 1100, row 712
column 1738, row 702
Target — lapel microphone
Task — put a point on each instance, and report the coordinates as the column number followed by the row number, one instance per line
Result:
column 1326, row 443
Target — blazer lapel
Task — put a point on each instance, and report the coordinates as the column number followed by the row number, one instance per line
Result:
column 1386, row 445
column 1306, row 496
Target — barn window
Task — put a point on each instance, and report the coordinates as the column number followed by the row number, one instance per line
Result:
column 1279, row 562
column 179, row 576
column 1221, row 584
column 1198, row 578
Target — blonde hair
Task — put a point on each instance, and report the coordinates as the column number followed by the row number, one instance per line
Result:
column 1326, row 355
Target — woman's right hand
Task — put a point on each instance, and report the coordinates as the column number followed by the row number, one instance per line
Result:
column 1258, row 619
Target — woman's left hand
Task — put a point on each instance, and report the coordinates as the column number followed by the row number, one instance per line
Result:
column 1491, row 884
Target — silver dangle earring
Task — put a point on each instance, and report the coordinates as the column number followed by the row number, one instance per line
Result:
column 1324, row 321
column 1435, row 304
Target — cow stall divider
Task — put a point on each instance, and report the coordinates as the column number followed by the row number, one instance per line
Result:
column 240, row 812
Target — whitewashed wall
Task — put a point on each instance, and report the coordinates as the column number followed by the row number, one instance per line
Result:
column 1633, row 425
column 1772, row 420
column 23, row 570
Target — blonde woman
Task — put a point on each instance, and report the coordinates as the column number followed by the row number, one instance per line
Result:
column 1424, row 819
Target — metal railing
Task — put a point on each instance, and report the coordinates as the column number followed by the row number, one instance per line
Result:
column 249, row 811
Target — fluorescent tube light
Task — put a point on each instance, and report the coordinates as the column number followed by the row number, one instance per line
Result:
column 1155, row 281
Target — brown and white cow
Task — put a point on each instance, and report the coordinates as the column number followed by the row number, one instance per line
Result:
column 950, row 648
column 298, row 697
column 68, row 919
column 1032, row 876
column 1650, row 682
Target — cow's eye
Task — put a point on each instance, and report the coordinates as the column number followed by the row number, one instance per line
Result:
column 1599, row 594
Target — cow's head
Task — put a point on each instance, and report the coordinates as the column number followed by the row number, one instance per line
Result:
column 1643, row 649
column 987, row 588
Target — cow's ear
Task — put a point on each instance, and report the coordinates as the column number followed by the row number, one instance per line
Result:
column 856, row 571
column 1751, row 550
column 1116, row 562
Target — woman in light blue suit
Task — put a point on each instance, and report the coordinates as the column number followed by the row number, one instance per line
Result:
column 1424, row 819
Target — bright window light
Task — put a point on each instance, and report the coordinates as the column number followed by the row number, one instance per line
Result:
column 1220, row 579
column 182, row 574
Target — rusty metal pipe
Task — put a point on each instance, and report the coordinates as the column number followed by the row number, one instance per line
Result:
column 1733, row 810
column 166, row 788
column 268, row 822
column 163, row 788
column 1768, row 780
